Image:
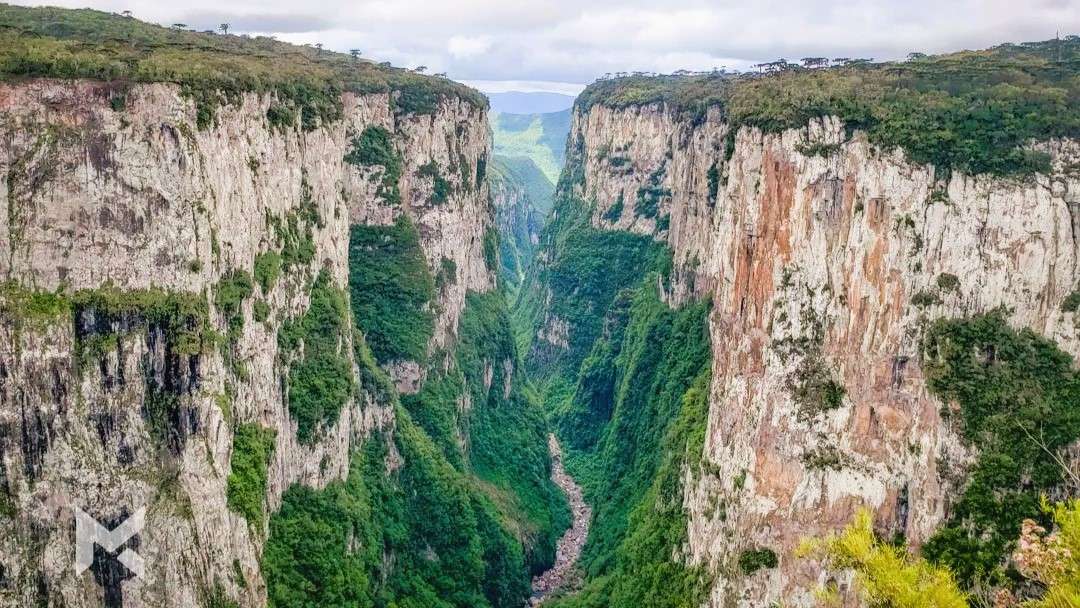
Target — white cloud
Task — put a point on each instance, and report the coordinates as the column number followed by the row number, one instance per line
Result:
column 464, row 47
column 525, row 86
column 574, row 41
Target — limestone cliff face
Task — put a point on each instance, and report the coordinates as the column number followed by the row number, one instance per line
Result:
column 519, row 217
column 137, row 197
column 847, row 253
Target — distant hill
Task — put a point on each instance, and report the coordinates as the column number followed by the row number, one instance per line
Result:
column 520, row 102
column 540, row 137
column 524, row 174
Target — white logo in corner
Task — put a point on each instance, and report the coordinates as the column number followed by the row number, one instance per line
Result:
column 89, row 532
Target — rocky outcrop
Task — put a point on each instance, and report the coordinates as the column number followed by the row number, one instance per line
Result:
column 107, row 405
column 822, row 253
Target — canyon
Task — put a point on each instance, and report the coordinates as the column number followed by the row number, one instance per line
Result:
column 290, row 305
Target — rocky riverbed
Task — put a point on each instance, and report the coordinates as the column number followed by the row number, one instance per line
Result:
column 569, row 547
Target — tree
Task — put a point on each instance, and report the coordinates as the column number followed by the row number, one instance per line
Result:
column 887, row 575
column 916, row 56
column 126, row 14
column 355, row 53
column 815, row 62
column 179, row 26
column 420, row 69
column 224, row 27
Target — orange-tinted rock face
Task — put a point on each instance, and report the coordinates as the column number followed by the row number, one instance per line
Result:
column 827, row 253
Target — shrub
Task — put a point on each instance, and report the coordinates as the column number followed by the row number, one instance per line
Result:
column 440, row 187
column 614, row 212
column 267, row 269
column 260, row 310
column 375, row 148
column 752, row 560
column 948, row 282
column 391, row 287
column 713, row 178
column 491, row 249
column 924, row 298
column 321, row 382
column 447, row 273
column 245, row 488
column 1071, row 302
column 887, row 575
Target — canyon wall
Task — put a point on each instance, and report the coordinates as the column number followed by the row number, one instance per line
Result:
column 822, row 256
column 135, row 341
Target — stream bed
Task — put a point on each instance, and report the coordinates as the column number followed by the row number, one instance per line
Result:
column 569, row 547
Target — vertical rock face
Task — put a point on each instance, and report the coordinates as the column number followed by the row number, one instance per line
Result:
column 106, row 405
column 826, row 264
column 521, row 196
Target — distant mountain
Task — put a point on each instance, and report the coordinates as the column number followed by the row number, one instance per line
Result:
column 540, row 137
column 520, row 102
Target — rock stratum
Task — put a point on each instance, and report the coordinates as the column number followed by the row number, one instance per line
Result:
column 830, row 264
column 221, row 302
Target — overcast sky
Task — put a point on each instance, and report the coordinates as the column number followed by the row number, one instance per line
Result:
column 559, row 45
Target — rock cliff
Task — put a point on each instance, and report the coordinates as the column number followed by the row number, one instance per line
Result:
column 152, row 262
column 825, row 257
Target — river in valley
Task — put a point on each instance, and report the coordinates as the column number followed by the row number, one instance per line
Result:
column 569, row 547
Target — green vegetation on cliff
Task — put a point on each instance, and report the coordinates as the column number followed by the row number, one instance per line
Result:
column 246, row 486
column 522, row 196
column 391, row 286
column 423, row 520
column 970, row 111
column 213, row 69
column 321, row 380
column 1017, row 396
column 452, row 507
column 625, row 381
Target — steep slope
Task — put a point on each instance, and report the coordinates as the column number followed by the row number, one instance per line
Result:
column 194, row 326
column 858, row 244
column 522, row 198
column 539, row 137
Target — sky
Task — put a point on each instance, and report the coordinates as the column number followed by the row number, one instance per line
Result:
column 561, row 45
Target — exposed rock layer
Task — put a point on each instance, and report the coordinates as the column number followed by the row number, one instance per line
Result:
column 850, row 252
column 138, row 197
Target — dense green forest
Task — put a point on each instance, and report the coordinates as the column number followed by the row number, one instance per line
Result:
column 628, row 399
column 468, row 511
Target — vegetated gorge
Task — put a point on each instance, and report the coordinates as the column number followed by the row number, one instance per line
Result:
column 259, row 291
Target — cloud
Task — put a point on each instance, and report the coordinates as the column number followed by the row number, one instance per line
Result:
column 575, row 41
column 464, row 47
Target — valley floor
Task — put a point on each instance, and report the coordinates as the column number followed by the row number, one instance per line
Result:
column 561, row 574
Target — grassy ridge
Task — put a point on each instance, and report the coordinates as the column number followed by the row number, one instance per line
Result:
column 969, row 111
column 62, row 43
